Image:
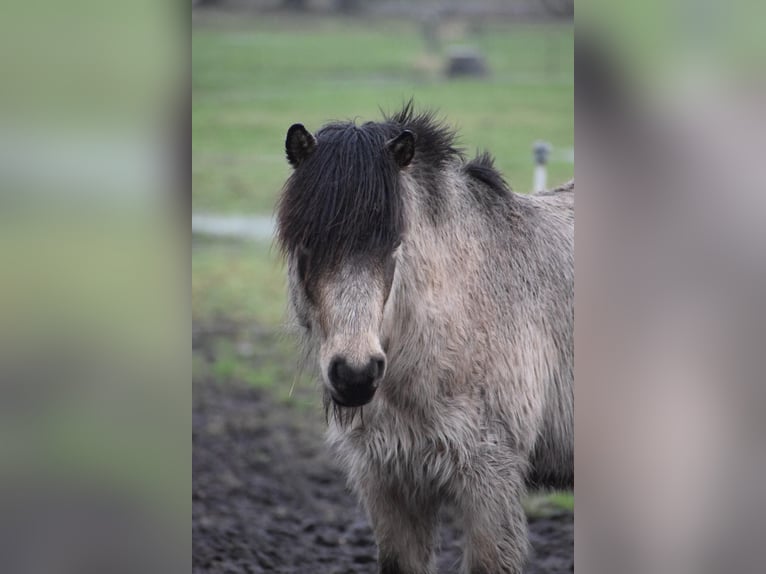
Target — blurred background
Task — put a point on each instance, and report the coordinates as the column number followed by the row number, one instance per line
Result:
column 501, row 71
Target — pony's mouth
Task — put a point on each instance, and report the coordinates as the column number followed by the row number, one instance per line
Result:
column 355, row 397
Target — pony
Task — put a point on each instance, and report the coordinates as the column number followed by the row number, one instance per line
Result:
column 438, row 307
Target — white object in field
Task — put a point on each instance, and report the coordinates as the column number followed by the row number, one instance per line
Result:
column 541, row 150
column 541, row 176
column 253, row 227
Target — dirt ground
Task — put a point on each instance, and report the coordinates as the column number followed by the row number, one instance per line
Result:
column 267, row 497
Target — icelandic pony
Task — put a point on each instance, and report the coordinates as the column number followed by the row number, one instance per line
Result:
column 438, row 306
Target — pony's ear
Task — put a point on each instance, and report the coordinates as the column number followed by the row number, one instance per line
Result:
column 299, row 144
column 402, row 148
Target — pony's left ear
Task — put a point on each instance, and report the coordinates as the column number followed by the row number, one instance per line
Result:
column 402, row 148
column 299, row 144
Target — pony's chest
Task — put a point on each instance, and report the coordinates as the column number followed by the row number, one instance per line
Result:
column 405, row 452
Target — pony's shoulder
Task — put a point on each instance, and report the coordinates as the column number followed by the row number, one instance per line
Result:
column 568, row 187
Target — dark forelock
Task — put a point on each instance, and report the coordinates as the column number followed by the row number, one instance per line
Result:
column 344, row 200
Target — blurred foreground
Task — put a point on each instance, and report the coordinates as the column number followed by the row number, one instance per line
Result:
column 671, row 276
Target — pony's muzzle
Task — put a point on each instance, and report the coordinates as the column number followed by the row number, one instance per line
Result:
column 352, row 385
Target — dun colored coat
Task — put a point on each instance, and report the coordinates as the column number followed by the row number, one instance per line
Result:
column 438, row 307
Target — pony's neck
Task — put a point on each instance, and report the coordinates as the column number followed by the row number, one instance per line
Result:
column 438, row 251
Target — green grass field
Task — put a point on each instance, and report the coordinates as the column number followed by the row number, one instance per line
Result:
column 253, row 79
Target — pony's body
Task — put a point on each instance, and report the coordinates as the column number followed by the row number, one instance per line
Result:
column 476, row 323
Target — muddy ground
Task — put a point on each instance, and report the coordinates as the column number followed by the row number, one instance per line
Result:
column 268, row 498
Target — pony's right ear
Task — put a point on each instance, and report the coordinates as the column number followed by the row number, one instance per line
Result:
column 402, row 147
column 299, row 144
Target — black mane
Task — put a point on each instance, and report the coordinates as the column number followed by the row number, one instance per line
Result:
column 345, row 199
column 482, row 168
column 436, row 140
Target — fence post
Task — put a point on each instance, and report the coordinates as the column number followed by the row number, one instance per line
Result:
column 541, row 150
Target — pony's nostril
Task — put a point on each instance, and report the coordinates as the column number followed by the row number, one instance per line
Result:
column 378, row 365
column 337, row 366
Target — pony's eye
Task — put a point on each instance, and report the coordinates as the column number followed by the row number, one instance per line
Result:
column 302, row 265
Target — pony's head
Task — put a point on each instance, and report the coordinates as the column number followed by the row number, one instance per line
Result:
column 341, row 220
